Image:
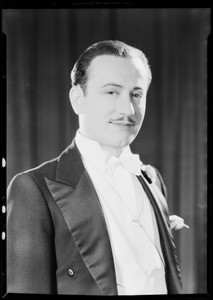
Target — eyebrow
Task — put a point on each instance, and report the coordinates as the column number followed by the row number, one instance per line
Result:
column 119, row 86
column 111, row 84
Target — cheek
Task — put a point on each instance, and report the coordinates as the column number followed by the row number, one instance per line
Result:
column 96, row 118
column 99, row 109
column 140, row 111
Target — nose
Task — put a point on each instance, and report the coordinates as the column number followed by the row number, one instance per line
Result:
column 125, row 106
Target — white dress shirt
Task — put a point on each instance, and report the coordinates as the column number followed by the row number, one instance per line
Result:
column 130, row 220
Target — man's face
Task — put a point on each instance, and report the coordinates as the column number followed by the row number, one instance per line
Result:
column 115, row 100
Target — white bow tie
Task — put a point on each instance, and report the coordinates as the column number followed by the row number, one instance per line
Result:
column 131, row 163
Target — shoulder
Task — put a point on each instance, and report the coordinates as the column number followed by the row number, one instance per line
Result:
column 27, row 178
column 20, row 182
column 161, row 183
column 24, row 194
column 25, row 190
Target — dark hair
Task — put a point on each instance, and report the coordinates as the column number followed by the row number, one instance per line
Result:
column 79, row 74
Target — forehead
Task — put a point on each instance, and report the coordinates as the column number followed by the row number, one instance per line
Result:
column 121, row 70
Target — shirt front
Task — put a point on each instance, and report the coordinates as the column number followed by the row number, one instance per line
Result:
column 130, row 219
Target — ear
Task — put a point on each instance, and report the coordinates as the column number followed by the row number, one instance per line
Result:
column 77, row 99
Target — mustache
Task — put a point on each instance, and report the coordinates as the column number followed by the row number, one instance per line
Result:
column 124, row 119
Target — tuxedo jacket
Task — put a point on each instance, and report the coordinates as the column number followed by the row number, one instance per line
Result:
column 57, row 238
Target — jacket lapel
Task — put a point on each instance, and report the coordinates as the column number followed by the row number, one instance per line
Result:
column 173, row 276
column 76, row 197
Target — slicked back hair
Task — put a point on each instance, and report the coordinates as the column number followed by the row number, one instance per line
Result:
column 79, row 74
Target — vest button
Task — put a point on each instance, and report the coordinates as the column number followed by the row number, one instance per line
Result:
column 70, row 272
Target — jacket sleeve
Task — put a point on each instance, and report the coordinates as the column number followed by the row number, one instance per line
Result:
column 30, row 235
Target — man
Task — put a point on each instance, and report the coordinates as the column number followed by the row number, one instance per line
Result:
column 94, row 221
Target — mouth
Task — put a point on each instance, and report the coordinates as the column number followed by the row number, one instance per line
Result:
column 123, row 123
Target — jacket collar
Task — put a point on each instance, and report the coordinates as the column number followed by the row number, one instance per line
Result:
column 70, row 166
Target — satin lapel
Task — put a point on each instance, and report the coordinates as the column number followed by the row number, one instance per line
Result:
column 76, row 197
column 174, row 284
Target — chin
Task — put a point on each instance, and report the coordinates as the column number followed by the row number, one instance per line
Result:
column 121, row 143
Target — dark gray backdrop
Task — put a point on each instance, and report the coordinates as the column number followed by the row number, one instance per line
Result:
column 42, row 46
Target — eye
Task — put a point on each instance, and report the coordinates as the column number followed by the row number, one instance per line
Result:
column 111, row 93
column 137, row 95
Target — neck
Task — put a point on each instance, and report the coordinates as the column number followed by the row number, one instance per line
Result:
column 113, row 151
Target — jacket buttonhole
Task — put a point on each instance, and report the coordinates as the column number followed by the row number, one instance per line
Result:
column 71, row 272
